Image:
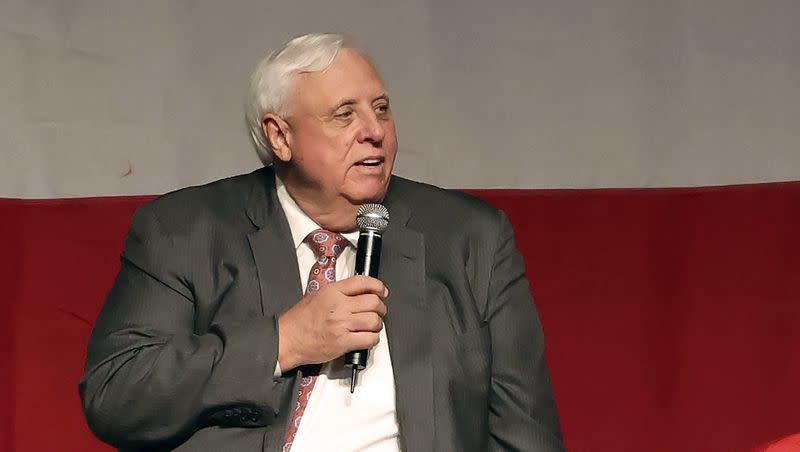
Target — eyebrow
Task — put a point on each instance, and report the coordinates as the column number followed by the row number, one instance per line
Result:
column 384, row 96
column 343, row 103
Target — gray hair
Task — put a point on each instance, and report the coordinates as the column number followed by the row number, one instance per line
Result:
column 270, row 82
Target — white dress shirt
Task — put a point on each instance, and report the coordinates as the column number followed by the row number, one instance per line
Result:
column 334, row 419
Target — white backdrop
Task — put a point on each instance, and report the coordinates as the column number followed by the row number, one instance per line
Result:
column 102, row 97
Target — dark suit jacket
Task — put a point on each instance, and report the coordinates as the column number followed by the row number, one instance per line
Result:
column 183, row 352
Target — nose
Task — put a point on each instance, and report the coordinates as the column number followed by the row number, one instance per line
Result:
column 372, row 130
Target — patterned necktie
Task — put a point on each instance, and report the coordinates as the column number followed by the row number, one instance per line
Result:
column 326, row 246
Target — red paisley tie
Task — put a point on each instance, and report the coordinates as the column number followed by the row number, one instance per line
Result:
column 326, row 246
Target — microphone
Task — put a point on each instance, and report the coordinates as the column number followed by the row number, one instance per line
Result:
column 372, row 220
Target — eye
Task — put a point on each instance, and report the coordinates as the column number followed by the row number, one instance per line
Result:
column 382, row 109
column 344, row 115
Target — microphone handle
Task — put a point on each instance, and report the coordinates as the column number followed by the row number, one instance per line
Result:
column 368, row 258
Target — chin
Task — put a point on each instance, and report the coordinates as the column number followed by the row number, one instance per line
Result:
column 365, row 194
column 366, row 190
column 358, row 199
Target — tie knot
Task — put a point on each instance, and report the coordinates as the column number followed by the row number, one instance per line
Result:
column 326, row 243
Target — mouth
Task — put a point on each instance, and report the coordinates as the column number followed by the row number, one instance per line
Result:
column 371, row 161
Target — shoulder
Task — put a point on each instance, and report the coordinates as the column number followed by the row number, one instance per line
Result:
column 215, row 203
column 440, row 209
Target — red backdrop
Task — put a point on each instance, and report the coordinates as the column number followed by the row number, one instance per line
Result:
column 672, row 315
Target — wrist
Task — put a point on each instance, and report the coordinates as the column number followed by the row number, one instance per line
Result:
column 287, row 357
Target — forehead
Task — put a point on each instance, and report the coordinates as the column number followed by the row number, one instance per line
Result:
column 350, row 76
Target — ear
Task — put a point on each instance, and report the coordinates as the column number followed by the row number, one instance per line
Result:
column 279, row 135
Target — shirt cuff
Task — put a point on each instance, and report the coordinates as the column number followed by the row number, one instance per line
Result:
column 278, row 371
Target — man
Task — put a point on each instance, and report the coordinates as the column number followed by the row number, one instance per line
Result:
column 206, row 341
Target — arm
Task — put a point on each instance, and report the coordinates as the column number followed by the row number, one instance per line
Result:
column 150, row 380
column 522, row 412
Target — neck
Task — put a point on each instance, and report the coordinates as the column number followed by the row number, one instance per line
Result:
column 334, row 213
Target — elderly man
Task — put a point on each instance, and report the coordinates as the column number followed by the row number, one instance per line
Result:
column 207, row 342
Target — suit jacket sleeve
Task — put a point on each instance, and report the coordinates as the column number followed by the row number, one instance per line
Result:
column 522, row 413
column 151, row 380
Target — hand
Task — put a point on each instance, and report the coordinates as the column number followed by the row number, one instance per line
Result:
column 341, row 317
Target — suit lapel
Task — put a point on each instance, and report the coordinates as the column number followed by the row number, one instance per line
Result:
column 408, row 327
column 272, row 249
column 279, row 281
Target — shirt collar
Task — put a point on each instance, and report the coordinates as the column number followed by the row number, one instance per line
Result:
column 299, row 223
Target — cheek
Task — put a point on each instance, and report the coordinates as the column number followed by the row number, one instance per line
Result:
column 323, row 151
column 390, row 145
column 390, row 139
column 335, row 144
column 345, row 144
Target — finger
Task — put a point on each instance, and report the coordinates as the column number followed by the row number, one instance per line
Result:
column 361, row 284
column 365, row 321
column 367, row 303
column 361, row 341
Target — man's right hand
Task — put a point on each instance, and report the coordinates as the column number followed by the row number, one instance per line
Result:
column 341, row 317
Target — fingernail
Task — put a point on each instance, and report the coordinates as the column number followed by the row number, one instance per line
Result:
column 385, row 292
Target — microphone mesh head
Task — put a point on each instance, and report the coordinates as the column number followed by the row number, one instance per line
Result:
column 374, row 217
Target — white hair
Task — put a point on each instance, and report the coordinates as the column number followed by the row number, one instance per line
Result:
column 270, row 82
